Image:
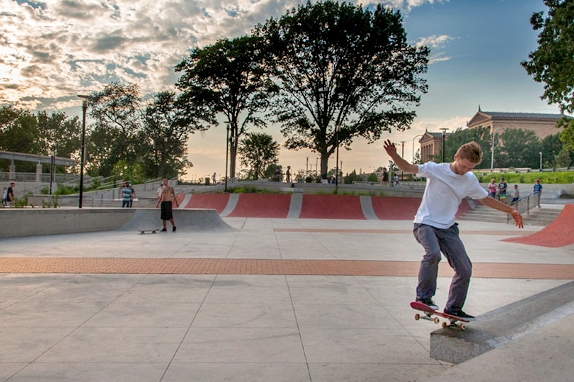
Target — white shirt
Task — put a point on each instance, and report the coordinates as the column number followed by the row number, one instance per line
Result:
column 444, row 193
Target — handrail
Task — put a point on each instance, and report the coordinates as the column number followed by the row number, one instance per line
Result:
column 535, row 196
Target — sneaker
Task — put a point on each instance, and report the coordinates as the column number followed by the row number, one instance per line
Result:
column 163, row 230
column 174, row 228
column 428, row 302
column 460, row 314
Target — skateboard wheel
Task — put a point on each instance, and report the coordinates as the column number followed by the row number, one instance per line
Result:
column 462, row 327
column 436, row 320
column 417, row 316
column 444, row 324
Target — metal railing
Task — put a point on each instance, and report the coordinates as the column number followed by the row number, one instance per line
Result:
column 525, row 204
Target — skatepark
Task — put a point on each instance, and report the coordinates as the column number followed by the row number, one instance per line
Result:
column 276, row 288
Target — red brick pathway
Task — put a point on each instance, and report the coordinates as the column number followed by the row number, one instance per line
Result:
column 272, row 267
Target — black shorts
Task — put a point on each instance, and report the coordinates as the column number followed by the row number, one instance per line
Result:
column 166, row 211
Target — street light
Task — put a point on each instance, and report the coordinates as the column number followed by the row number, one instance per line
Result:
column 444, row 129
column 337, row 159
column 416, row 136
column 402, row 156
column 540, row 161
column 226, row 154
column 83, row 151
column 492, row 151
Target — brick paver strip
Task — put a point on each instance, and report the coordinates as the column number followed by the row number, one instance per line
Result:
column 398, row 231
column 272, row 267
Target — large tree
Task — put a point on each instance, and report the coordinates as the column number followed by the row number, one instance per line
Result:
column 552, row 62
column 115, row 136
column 258, row 152
column 344, row 71
column 167, row 125
column 227, row 78
column 520, row 148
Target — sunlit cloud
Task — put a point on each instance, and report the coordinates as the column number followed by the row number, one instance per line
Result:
column 58, row 48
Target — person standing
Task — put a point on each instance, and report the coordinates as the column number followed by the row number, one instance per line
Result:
column 288, row 174
column 434, row 223
column 516, row 195
column 126, row 195
column 492, row 188
column 10, row 194
column 166, row 198
column 538, row 190
column 502, row 187
column 132, row 194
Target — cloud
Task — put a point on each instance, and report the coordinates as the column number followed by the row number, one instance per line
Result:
column 434, row 41
column 57, row 49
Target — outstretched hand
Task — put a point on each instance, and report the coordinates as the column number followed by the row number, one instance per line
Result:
column 517, row 218
column 390, row 148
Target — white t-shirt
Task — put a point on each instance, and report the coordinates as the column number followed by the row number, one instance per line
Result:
column 443, row 194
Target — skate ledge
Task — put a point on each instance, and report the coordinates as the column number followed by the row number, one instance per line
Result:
column 502, row 325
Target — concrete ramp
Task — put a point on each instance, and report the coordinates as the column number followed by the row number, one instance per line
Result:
column 186, row 220
column 556, row 234
column 503, row 325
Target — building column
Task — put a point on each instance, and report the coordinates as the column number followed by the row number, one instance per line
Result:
column 12, row 171
column 38, row 172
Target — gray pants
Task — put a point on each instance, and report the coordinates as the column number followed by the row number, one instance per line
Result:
column 434, row 241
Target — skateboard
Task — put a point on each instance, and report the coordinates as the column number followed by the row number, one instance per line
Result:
column 430, row 312
column 144, row 231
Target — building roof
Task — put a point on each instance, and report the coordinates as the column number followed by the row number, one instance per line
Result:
column 512, row 115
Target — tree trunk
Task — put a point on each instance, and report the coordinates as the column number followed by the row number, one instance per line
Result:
column 324, row 165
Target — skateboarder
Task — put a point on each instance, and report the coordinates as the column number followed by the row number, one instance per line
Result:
column 165, row 199
column 434, row 226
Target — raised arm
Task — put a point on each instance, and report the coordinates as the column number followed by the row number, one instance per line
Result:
column 400, row 162
column 493, row 203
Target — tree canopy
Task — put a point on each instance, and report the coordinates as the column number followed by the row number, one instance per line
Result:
column 227, row 78
column 344, row 71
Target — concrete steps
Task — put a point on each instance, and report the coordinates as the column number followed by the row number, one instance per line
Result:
column 537, row 216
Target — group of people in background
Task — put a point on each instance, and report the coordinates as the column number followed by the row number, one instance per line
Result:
column 499, row 191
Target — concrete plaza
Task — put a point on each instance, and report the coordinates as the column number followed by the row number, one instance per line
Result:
column 241, row 323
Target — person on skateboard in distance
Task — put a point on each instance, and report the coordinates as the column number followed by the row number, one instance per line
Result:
column 434, row 226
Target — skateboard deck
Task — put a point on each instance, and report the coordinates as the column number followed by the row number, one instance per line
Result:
column 144, row 231
column 430, row 312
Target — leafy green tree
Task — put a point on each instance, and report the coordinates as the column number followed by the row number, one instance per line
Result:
column 19, row 133
column 167, row 125
column 258, row 151
column 341, row 68
column 227, row 78
column 60, row 133
column 520, row 148
column 480, row 135
column 116, row 135
column 551, row 63
column 563, row 158
column 551, row 147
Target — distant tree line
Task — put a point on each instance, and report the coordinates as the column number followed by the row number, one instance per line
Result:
column 512, row 148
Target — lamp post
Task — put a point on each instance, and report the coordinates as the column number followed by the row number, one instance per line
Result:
column 492, row 151
column 337, row 159
column 226, row 155
column 444, row 129
column 83, row 150
column 402, row 156
column 416, row 136
column 540, row 161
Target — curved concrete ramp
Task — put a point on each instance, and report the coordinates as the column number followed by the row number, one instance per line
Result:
column 186, row 220
column 556, row 234
column 262, row 206
column 215, row 201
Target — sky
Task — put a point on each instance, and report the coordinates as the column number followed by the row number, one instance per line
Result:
column 52, row 50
